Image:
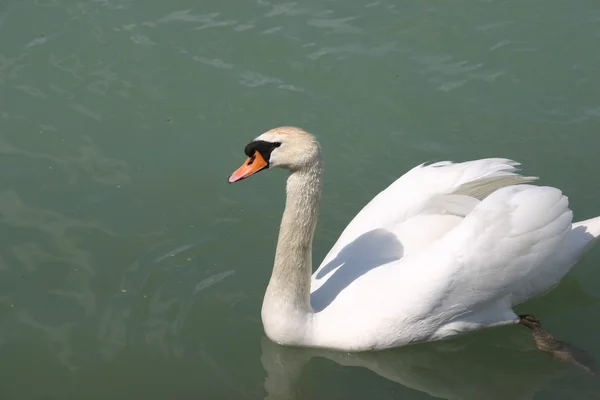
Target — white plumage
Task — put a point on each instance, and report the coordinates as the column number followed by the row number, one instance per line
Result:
column 460, row 263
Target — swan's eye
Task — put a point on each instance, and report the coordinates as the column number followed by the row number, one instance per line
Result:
column 263, row 147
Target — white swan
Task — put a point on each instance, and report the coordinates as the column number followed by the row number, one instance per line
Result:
column 446, row 249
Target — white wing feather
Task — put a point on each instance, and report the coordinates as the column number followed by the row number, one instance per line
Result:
column 417, row 208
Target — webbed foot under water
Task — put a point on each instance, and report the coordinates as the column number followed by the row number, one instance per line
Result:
column 559, row 349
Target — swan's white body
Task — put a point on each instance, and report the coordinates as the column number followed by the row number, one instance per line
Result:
column 446, row 249
column 457, row 263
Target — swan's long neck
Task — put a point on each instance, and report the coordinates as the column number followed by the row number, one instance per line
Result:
column 286, row 311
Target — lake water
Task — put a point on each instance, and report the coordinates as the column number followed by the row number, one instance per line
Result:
column 129, row 268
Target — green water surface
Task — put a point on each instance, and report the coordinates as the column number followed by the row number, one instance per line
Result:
column 130, row 269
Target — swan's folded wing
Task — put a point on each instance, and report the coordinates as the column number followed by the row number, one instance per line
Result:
column 417, row 192
column 495, row 254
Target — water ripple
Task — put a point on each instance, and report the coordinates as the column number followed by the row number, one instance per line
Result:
column 348, row 50
column 338, row 25
column 208, row 20
column 213, row 62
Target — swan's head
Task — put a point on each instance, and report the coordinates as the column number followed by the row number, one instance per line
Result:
column 284, row 147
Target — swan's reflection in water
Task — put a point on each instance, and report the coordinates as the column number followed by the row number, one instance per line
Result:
column 468, row 368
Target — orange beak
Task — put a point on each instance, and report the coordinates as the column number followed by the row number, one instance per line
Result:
column 250, row 167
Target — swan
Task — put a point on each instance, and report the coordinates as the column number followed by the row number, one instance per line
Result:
column 446, row 249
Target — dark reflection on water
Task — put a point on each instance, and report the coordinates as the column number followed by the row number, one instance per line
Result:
column 153, row 332
column 467, row 368
column 471, row 368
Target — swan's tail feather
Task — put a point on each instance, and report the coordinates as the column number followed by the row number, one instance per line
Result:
column 588, row 233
